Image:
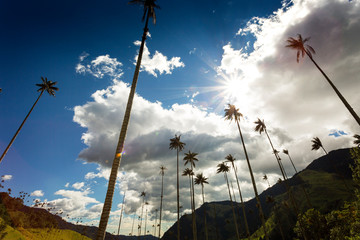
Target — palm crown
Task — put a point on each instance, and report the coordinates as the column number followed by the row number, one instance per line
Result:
column 232, row 113
column 357, row 140
column 47, row 86
column 230, row 158
column 175, row 143
column 300, row 45
column 286, row 152
column 222, row 167
column 201, row 179
column 162, row 170
column 316, row 143
column 187, row 172
column 148, row 5
column 260, row 126
column 190, row 157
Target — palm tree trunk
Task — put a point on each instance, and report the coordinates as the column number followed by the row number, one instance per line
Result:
column 206, row 230
column 347, row 105
column 232, row 207
column 141, row 218
column 242, row 203
column 146, row 213
column 17, row 132
column 122, row 208
column 161, row 200
column 119, row 149
column 132, row 226
column 178, row 195
column 193, row 204
column 261, row 213
column 292, row 163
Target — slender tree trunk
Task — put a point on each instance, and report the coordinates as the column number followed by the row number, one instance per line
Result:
column 119, row 149
column 155, row 227
column 145, row 221
column 17, row 132
column 122, row 208
column 178, row 195
column 206, row 230
column 141, row 218
column 193, row 204
column 161, row 201
column 261, row 212
column 242, row 203
column 292, row 163
column 132, row 227
column 232, row 207
column 347, row 105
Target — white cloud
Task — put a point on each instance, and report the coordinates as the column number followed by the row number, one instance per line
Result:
column 78, row 185
column 100, row 66
column 158, row 62
column 67, row 185
column 6, row 177
column 37, row 193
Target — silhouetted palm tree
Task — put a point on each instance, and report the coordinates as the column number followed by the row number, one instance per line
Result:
column 317, row 144
column 155, row 224
column 190, row 157
column 233, row 113
column 229, row 158
column 162, row 172
column 357, row 140
column 201, row 180
column 121, row 213
column 266, row 179
column 143, row 194
column 189, row 172
column 149, row 11
column 302, row 48
column 223, row 168
column 47, row 86
column 287, row 153
column 175, row 143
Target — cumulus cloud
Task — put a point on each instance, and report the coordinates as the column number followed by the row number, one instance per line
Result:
column 78, row 185
column 293, row 99
column 6, row 177
column 37, row 193
column 100, row 66
column 158, row 62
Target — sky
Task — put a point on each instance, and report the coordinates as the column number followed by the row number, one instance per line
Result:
column 199, row 57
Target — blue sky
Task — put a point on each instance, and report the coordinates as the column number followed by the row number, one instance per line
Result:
column 201, row 55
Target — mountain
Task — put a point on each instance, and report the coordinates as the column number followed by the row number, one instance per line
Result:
column 327, row 181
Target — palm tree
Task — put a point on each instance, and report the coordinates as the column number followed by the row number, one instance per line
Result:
column 146, row 213
column 190, row 157
column 229, row 158
column 155, row 225
column 287, row 153
column 189, row 172
column 175, row 143
column 265, row 178
column 143, row 194
column 302, row 48
column 162, row 172
column 357, row 140
column 121, row 213
column 47, row 86
column 317, row 144
column 201, row 179
column 223, row 168
column 149, row 11
column 233, row 113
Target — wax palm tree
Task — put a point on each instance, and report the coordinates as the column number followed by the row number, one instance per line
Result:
column 223, row 168
column 317, row 144
column 189, row 172
column 302, row 48
column 201, row 180
column 287, row 153
column 149, row 12
column 229, row 158
column 47, row 86
column 121, row 213
column 190, row 157
column 155, row 224
column 357, row 140
column 233, row 113
column 162, row 172
column 146, row 213
column 265, row 178
column 175, row 143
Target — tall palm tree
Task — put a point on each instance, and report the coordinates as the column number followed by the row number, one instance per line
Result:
column 162, row 172
column 302, row 48
column 149, row 12
column 175, row 143
column 201, row 180
column 233, row 113
column 287, row 153
column 190, row 157
column 155, row 224
column 146, row 213
column 189, row 172
column 121, row 213
column 223, row 168
column 143, row 195
column 357, row 140
column 47, row 86
column 229, row 158
column 317, row 144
